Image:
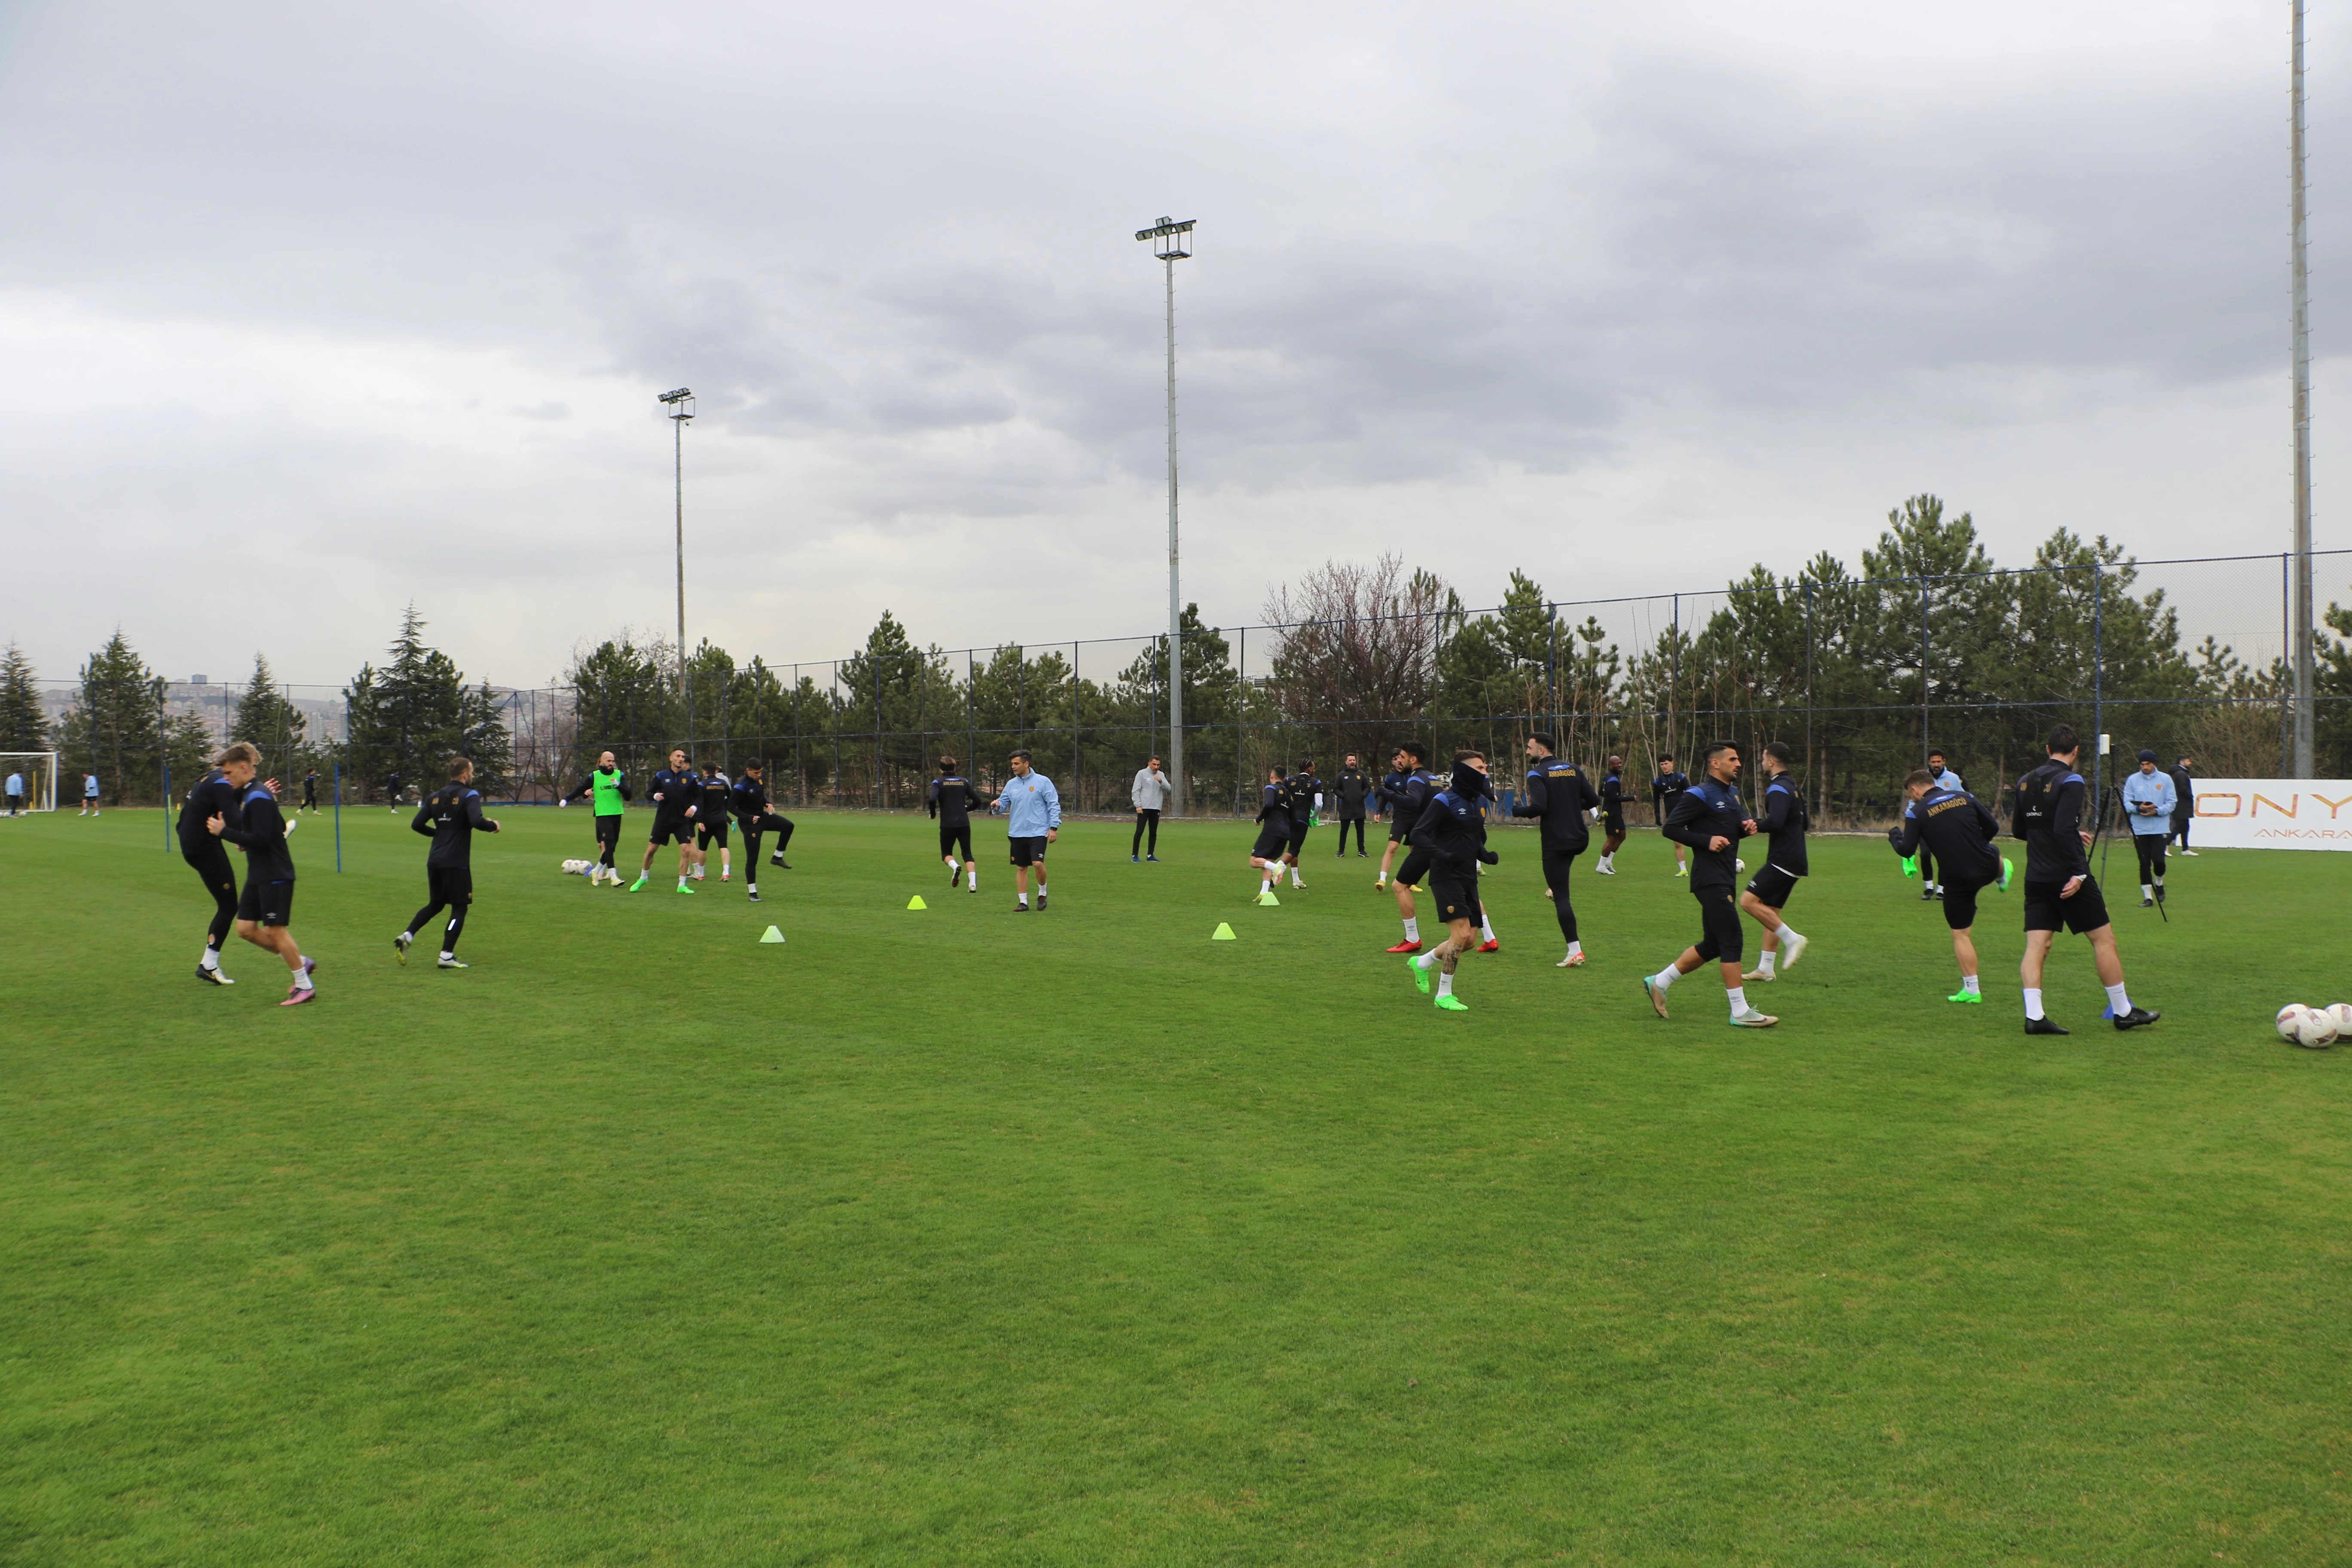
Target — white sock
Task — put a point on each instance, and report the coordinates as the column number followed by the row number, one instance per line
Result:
column 2146, row 891
column 681, row 881
column 751, row 886
column 1426, row 960
column 973, row 880
column 1665, row 977
column 2032, row 1002
column 1264, row 886
column 1413, row 928
column 1772, row 957
column 446, row 955
column 1445, row 983
column 301, row 980
column 1968, row 983
column 211, row 960
column 1788, row 930
column 2118, row 1000
column 1575, row 947
column 1739, row 996
column 1485, row 926
column 1024, row 899
column 1294, row 877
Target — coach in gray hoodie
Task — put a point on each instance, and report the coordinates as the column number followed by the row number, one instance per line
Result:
column 1150, row 792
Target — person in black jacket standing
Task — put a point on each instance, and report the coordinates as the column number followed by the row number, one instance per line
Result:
column 1399, row 799
column 953, row 800
column 2059, row 888
column 1783, row 818
column 213, row 796
column 1612, row 814
column 1960, row 831
column 1561, row 796
column 1305, row 799
column 1711, row 819
column 2184, row 804
column 1452, row 833
column 748, row 801
column 449, row 817
column 1353, row 787
column 675, row 794
column 259, row 829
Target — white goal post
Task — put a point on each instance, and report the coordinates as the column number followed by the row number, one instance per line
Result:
column 39, row 771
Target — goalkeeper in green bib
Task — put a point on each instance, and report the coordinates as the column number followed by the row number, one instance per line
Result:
column 608, row 787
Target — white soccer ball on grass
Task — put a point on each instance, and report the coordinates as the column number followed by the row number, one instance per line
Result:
column 2290, row 1019
column 2315, row 1029
column 575, row 868
column 2342, row 1012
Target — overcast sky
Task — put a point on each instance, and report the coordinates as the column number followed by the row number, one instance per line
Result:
column 306, row 311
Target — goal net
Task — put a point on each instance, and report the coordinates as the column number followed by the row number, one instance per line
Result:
column 35, row 776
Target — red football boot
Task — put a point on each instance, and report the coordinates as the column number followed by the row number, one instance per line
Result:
column 1491, row 947
column 1406, row 947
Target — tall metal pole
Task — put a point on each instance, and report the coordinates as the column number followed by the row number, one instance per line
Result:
column 2301, row 326
column 1174, row 245
column 1175, row 592
column 680, row 404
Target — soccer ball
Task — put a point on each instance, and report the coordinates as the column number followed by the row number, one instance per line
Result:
column 575, row 868
column 1739, row 865
column 2342, row 1012
column 2290, row 1020
column 2315, row 1029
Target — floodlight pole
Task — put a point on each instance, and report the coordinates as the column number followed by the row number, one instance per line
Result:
column 1174, row 245
column 2300, row 334
column 681, row 410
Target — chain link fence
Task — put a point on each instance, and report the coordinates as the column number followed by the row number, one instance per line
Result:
column 1862, row 677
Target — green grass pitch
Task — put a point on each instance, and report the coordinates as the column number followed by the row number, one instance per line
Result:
column 962, row 1237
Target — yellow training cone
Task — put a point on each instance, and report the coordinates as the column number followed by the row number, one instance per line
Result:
column 1223, row 933
column 772, row 935
column 917, row 902
column 1267, row 898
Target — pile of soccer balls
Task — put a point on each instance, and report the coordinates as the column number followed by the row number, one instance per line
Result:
column 577, row 868
column 2315, row 1028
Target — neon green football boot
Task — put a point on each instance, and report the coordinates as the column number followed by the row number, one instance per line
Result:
column 1453, row 1004
column 1419, row 976
column 1972, row 998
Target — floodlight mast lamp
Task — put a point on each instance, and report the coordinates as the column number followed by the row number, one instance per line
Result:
column 1173, row 242
column 680, row 402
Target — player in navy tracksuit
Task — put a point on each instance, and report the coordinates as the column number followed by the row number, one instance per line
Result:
column 1452, row 833
column 1613, row 816
column 676, row 796
column 1782, row 817
column 1710, row 819
column 1559, row 796
column 1393, row 796
column 2059, row 888
column 748, row 801
column 450, row 816
column 1957, row 828
column 1665, row 790
column 258, row 829
column 953, row 800
column 1274, row 821
column 213, row 796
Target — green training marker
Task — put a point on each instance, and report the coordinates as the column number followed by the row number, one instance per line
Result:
column 772, row 935
column 1267, row 898
column 917, row 902
column 1223, row 933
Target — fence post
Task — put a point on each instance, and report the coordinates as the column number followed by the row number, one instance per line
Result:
column 877, row 732
column 1812, row 762
column 1240, row 708
column 1923, row 669
column 2099, row 712
column 1675, row 688
column 1076, row 791
column 971, row 716
column 338, row 815
column 832, row 706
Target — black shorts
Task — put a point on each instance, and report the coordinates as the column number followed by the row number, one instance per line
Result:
column 1297, row 838
column 1397, row 828
column 1456, row 896
column 1030, row 851
column 449, row 884
column 608, row 831
column 711, row 832
column 1960, row 903
column 1273, row 842
column 673, row 830
column 1723, row 940
column 2083, row 913
column 1772, row 886
column 266, row 903
column 1614, row 826
column 955, row 834
column 1415, row 867
column 211, row 863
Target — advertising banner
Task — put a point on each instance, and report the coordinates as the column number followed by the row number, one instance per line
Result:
column 2272, row 814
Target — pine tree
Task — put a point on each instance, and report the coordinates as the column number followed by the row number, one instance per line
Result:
column 24, row 722
column 409, row 717
column 116, row 729
column 266, row 716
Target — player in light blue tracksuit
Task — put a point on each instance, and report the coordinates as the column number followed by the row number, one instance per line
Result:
column 1032, row 809
column 2149, row 800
